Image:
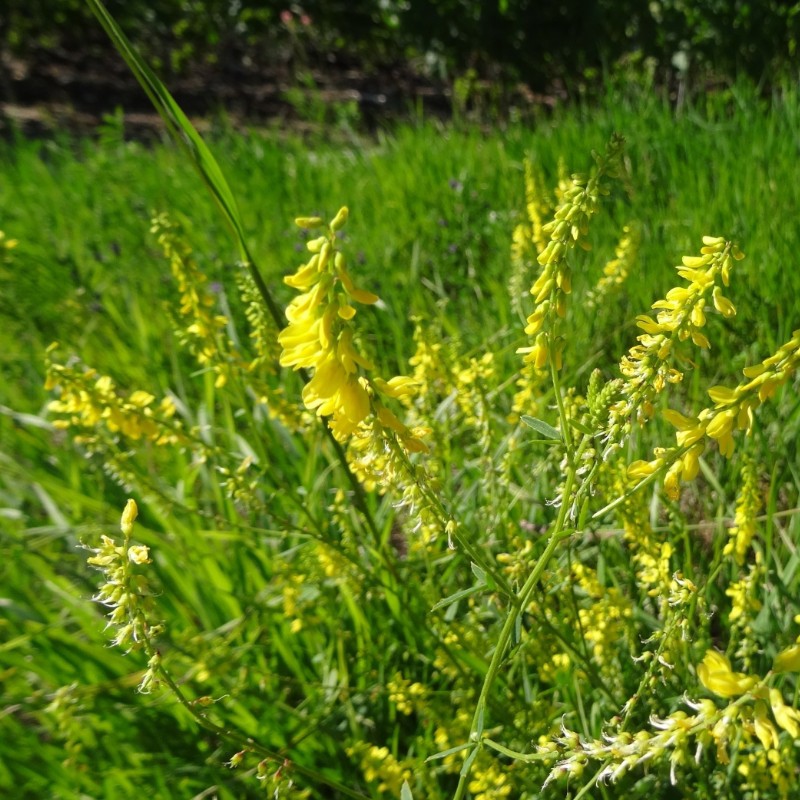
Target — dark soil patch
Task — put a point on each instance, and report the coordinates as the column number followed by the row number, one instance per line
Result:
column 64, row 91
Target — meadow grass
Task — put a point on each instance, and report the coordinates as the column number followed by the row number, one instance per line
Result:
column 298, row 623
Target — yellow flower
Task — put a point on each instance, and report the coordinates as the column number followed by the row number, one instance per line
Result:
column 320, row 338
column 788, row 660
column 717, row 676
column 786, row 716
column 129, row 514
column 569, row 228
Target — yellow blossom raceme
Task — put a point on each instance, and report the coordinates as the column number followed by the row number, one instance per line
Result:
column 554, row 283
column 649, row 366
column 88, row 401
column 733, row 410
column 616, row 271
column 201, row 330
column 125, row 591
column 528, row 238
column 748, row 506
column 320, row 337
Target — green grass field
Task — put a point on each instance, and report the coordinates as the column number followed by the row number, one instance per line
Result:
column 302, row 612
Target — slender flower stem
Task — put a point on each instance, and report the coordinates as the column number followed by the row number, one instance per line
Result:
column 243, row 741
column 557, row 535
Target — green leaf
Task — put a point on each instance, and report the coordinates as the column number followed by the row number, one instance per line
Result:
column 467, row 765
column 548, row 431
column 405, row 792
column 579, row 426
column 457, row 749
column 478, row 572
column 454, row 598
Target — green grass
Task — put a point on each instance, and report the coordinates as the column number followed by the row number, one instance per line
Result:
column 431, row 214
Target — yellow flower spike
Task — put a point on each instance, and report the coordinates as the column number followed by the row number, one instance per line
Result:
column 786, row 716
column 716, row 674
column 788, row 660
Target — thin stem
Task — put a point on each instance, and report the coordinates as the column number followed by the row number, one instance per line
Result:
column 243, row 741
column 557, row 534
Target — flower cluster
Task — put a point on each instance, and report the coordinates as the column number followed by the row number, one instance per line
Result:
column 202, row 329
column 733, row 410
column 528, row 238
column 649, row 366
column 616, row 271
column 89, row 401
column 382, row 767
column 125, row 592
column 682, row 737
column 748, row 506
column 569, row 228
column 407, row 696
column 320, row 337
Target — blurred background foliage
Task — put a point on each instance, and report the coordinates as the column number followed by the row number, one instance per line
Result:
column 570, row 44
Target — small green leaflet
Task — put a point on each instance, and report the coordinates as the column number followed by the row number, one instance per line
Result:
column 405, row 792
column 548, row 431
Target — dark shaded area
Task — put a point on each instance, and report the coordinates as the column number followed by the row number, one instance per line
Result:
column 61, row 89
column 367, row 61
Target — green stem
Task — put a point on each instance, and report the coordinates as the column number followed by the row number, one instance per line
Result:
column 436, row 505
column 242, row 741
column 557, row 534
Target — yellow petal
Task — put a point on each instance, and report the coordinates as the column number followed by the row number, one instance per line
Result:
column 722, row 395
column 716, row 675
column 785, row 716
column 788, row 660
